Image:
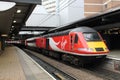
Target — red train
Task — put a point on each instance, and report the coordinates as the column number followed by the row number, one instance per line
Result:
column 78, row 45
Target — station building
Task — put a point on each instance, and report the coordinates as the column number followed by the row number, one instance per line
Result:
column 61, row 14
column 98, row 6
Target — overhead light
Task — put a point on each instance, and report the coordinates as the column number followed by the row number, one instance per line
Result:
column 4, row 35
column 115, row 28
column 14, row 21
column 13, row 26
column 13, row 37
column 6, row 5
column 18, row 11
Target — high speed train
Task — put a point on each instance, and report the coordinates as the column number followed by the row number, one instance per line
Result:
column 78, row 46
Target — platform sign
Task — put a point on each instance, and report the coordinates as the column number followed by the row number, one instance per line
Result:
column 117, row 65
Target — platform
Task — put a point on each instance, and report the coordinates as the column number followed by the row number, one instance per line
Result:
column 16, row 65
column 114, row 54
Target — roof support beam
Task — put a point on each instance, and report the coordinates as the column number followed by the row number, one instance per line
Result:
column 108, row 26
column 36, row 28
column 25, row 1
column 31, row 8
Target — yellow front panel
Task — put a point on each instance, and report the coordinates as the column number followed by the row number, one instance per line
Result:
column 97, row 44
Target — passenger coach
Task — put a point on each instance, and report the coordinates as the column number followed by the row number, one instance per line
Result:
column 81, row 44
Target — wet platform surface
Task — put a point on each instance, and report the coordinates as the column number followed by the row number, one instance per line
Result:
column 16, row 65
column 114, row 54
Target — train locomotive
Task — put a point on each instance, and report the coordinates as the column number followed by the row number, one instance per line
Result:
column 80, row 45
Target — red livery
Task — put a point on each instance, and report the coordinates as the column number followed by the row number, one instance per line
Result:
column 76, row 45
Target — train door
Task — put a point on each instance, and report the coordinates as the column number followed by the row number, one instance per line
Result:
column 73, row 41
column 47, row 43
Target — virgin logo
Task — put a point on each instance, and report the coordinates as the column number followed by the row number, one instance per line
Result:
column 63, row 43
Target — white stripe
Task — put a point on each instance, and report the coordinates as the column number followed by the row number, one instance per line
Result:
column 116, row 0
column 93, row 4
column 107, row 2
column 99, row 3
column 67, row 52
column 92, row 12
column 111, row 57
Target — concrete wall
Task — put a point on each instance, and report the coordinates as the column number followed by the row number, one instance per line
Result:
column 92, row 7
column 43, row 20
column 40, row 17
column 71, row 11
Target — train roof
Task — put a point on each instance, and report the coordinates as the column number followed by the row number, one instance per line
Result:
column 65, row 32
column 30, row 39
column 83, row 29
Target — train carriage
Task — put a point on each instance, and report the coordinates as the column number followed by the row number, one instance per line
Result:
column 79, row 41
column 73, row 44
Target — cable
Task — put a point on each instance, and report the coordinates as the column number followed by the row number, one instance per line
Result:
column 45, row 19
column 64, row 1
column 67, row 5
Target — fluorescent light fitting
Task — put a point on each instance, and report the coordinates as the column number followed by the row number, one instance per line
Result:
column 13, row 37
column 4, row 35
column 18, row 11
column 6, row 5
column 14, row 21
column 13, row 26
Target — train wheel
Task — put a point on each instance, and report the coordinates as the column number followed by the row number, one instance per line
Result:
column 63, row 57
column 76, row 61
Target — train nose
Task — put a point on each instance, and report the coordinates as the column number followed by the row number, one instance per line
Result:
column 98, row 46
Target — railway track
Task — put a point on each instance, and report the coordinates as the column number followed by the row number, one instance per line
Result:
column 59, row 75
column 72, row 72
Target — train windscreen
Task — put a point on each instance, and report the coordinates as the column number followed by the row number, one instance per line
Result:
column 91, row 36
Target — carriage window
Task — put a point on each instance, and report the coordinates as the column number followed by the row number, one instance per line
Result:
column 76, row 39
column 31, row 41
column 92, row 36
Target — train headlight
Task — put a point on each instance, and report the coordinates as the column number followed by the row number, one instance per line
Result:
column 86, row 49
column 106, row 49
column 90, row 49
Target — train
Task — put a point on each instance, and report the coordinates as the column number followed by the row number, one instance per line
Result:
column 80, row 45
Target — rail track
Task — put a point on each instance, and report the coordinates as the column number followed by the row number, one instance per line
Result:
column 65, row 71
column 58, row 74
